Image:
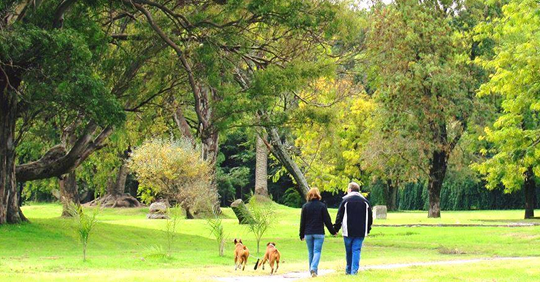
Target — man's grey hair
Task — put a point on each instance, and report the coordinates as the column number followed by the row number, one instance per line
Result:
column 353, row 186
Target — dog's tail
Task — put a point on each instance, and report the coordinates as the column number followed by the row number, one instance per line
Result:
column 256, row 264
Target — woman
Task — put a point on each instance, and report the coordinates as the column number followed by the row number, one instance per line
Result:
column 314, row 217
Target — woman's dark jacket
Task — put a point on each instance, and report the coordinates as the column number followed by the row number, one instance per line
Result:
column 314, row 217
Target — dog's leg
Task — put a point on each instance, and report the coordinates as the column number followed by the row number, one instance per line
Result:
column 263, row 262
column 271, row 267
column 244, row 267
column 277, row 266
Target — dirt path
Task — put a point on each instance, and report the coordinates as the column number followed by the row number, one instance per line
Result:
column 293, row 276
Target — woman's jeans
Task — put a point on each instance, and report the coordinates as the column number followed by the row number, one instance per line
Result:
column 353, row 247
column 314, row 245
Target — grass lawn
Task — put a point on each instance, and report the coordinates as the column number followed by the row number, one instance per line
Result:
column 125, row 244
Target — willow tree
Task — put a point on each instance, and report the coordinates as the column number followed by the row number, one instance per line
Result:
column 512, row 151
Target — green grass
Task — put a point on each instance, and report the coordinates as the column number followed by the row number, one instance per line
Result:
column 127, row 246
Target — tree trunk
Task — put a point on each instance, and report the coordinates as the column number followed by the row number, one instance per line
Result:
column 120, row 184
column 10, row 211
column 529, row 188
column 69, row 194
column 261, row 168
column 116, row 196
column 391, row 193
column 280, row 152
column 437, row 173
column 189, row 214
column 241, row 212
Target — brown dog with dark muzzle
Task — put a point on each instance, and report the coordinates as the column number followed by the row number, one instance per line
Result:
column 272, row 255
column 241, row 254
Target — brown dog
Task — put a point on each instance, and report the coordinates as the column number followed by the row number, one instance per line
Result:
column 241, row 254
column 272, row 255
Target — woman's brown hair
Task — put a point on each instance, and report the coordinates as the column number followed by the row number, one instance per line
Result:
column 313, row 193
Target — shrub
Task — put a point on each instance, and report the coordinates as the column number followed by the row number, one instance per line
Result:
column 175, row 170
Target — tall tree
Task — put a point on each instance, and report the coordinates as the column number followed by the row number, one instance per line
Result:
column 57, row 66
column 261, row 166
column 44, row 68
column 512, row 143
column 217, row 42
column 423, row 83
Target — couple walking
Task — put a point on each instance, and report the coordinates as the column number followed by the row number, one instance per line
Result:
column 354, row 218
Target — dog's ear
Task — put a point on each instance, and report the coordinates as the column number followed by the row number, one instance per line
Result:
column 235, row 241
column 268, row 243
column 274, row 244
column 240, row 241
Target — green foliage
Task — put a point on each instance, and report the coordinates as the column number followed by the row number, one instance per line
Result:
column 330, row 138
column 84, row 223
column 174, row 169
column 511, row 144
column 292, row 198
column 63, row 67
column 156, row 252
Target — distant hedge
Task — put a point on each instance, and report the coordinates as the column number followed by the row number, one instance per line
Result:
column 454, row 196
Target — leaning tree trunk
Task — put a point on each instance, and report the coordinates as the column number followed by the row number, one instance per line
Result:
column 391, row 193
column 437, row 173
column 529, row 188
column 69, row 193
column 241, row 212
column 280, row 152
column 261, row 167
column 10, row 211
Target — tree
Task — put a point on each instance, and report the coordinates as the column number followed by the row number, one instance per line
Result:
column 262, row 215
column 218, row 51
column 423, row 83
column 511, row 144
column 53, row 54
column 85, row 224
column 261, row 167
column 176, row 171
column 336, row 115
column 44, row 69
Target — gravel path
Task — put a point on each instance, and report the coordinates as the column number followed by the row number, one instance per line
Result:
column 293, row 276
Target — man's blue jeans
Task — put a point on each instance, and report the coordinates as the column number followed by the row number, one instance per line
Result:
column 353, row 247
column 314, row 245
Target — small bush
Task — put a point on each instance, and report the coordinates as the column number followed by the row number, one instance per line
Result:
column 156, row 253
column 174, row 170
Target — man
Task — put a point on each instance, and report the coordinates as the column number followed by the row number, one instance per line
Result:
column 354, row 218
